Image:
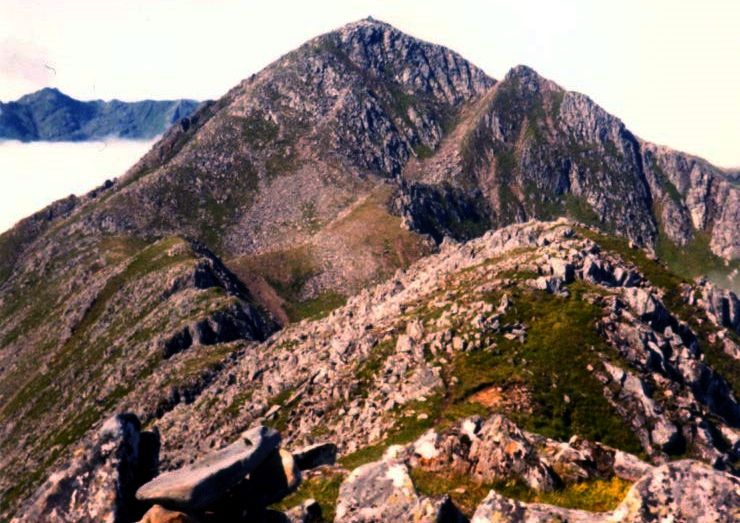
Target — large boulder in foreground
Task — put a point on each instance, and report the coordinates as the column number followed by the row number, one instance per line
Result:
column 99, row 482
column 682, row 491
column 199, row 485
column 383, row 491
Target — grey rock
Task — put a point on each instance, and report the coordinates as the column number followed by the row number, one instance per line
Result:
column 383, row 491
column 307, row 512
column 682, row 491
column 99, row 483
column 495, row 508
column 679, row 491
column 199, row 485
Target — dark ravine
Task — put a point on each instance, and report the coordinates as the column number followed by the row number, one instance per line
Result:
column 52, row 116
column 288, row 256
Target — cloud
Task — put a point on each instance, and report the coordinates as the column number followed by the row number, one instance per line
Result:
column 35, row 174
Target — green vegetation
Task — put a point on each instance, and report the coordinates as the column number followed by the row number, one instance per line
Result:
column 315, row 308
column 282, row 417
column 90, row 352
column 594, row 495
column 556, row 101
column 370, row 230
column 324, row 489
column 562, row 340
column 665, row 182
column 423, row 152
column 287, row 270
column 579, row 209
column 236, row 403
column 410, row 422
column 694, row 259
column 368, row 368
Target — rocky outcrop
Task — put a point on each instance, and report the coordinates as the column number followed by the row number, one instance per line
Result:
column 722, row 305
column 383, row 491
column 489, row 451
column 347, row 171
column 99, row 482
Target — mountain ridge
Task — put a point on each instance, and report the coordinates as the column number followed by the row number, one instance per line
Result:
column 50, row 115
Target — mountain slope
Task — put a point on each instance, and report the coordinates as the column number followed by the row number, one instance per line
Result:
column 50, row 115
column 344, row 161
column 563, row 330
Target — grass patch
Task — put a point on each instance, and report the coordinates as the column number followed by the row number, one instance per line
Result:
column 368, row 368
column 552, row 365
column 282, row 416
column 594, row 495
column 315, row 308
column 423, row 152
column 578, row 209
column 694, row 259
column 324, row 489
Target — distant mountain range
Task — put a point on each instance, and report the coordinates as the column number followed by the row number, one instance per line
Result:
column 50, row 115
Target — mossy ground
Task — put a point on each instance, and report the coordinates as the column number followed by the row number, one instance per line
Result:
column 552, row 364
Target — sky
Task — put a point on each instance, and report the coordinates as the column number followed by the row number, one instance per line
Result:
column 670, row 69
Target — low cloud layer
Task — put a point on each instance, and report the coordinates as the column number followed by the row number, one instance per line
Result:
column 35, row 174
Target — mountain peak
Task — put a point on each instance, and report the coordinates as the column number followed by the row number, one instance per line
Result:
column 367, row 22
column 44, row 94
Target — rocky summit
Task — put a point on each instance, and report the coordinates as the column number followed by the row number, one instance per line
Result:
column 372, row 283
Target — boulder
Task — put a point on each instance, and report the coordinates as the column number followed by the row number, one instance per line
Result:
column 199, row 485
column 307, row 512
column 383, row 491
column 98, row 483
column 647, row 307
column 684, row 490
column 159, row 514
column 316, row 455
column 276, row 477
column 562, row 269
column 495, row 508
column 489, row 451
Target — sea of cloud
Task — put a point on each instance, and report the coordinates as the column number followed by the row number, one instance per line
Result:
column 32, row 175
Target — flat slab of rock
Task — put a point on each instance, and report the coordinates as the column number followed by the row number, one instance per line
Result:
column 199, row 485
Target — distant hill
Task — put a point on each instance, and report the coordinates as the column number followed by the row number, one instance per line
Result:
column 51, row 115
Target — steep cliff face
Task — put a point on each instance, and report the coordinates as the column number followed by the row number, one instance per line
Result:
column 344, row 161
column 51, row 115
column 533, row 150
